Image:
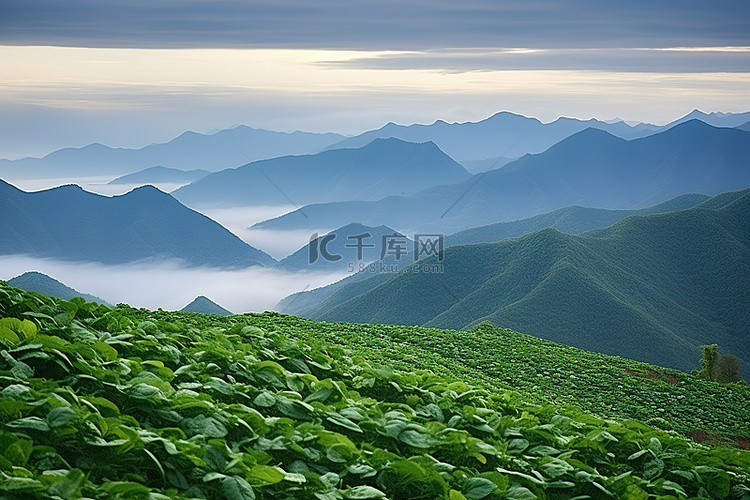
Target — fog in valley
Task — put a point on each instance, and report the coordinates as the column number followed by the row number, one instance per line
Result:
column 170, row 285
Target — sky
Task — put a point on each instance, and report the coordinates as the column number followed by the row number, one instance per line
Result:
column 133, row 73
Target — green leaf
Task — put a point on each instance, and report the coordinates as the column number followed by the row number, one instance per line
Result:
column 125, row 488
column 69, row 487
column 236, row 488
column 264, row 400
column 8, row 335
column 34, row 423
column 207, row 426
column 19, row 452
column 417, row 439
column 363, row 492
column 520, row 493
column 19, row 484
column 638, row 454
column 517, row 446
column 337, row 419
column 60, row 416
column 478, row 487
column 262, row 475
column 653, row 469
column 106, row 351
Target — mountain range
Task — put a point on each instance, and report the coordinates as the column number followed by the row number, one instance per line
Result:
column 159, row 174
column 503, row 134
column 191, row 150
column 650, row 288
column 571, row 220
column 591, row 168
column 34, row 281
column 381, row 168
column 72, row 224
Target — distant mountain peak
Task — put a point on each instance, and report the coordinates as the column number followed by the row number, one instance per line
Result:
column 204, row 305
column 35, row 281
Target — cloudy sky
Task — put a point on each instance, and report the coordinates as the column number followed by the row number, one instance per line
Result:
column 131, row 73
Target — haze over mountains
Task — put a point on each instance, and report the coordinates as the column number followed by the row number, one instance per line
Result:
column 487, row 143
column 646, row 285
column 591, row 168
column 381, row 168
column 571, row 220
column 224, row 149
column 651, row 288
column 71, row 224
column 159, row 174
column 503, row 134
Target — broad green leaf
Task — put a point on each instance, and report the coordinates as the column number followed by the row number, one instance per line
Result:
column 8, row 335
column 476, row 488
column 20, row 484
column 236, row 488
column 517, row 446
column 516, row 492
column 264, row 400
column 34, row 423
column 70, row 486
column 261, row 475
column 60, row 416
column 343, row 422
column 127, row 489
column 19, row 452
column 363, row 492
column 653, row 468
column 417, row 439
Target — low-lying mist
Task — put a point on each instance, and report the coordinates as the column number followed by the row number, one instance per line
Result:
column 278, row 244
column 171, row 285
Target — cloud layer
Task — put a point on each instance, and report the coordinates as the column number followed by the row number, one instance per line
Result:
column 369, row 24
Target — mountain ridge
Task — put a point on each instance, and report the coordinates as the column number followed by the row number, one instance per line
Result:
column 647, row 287
column 35, row 281
column 381, row 168
column 590, row 168
column 70, row 223
column 188, row 151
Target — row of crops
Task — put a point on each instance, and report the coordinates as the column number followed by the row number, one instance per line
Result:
column 124, row 403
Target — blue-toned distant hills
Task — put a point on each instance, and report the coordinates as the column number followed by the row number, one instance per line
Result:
column 224, row 149
column 145, row 224
column 159, row 174
column 591, row 168
column 491, row 142
column 652, row 287
column 504, row 134
column 381, row 168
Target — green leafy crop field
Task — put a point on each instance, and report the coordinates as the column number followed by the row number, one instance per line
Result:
column 123, row 403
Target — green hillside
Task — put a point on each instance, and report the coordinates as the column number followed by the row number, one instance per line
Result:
column 125, row 403
column 570, row 220
column 651, row 288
